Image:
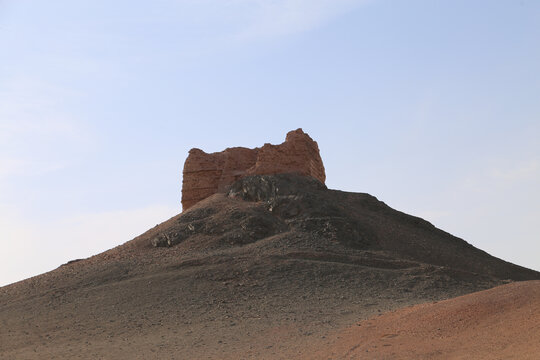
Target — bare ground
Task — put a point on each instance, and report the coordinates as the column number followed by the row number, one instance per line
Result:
column 499, row 323
column 270, row 270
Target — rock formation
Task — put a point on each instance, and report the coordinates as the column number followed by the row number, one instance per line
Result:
column 206, row 174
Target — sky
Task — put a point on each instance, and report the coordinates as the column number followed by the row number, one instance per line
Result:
column 431, row 106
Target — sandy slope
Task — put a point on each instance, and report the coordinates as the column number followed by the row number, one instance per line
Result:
column 500, row 323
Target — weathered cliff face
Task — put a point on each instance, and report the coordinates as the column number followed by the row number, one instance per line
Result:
column 206, row 174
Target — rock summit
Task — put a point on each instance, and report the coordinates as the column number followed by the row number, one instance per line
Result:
column 206, row 174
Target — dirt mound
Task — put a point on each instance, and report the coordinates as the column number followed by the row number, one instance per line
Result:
column 266, row 269
column 500, row 323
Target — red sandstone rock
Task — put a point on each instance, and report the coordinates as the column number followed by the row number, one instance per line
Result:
column 206, row 174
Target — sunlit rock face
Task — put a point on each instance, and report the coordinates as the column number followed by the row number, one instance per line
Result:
column 206, row 174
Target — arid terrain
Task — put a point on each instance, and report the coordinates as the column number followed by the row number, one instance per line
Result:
column 499, row 323
column 278, row 267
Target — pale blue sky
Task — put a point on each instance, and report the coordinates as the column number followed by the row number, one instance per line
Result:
column 432, row 106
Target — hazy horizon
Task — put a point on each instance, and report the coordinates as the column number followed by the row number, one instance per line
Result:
column 431, row 107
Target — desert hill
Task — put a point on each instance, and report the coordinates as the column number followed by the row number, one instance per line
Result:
column 271, row 267
column 499, row 323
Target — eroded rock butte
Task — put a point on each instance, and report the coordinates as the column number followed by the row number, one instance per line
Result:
column 206, row 174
